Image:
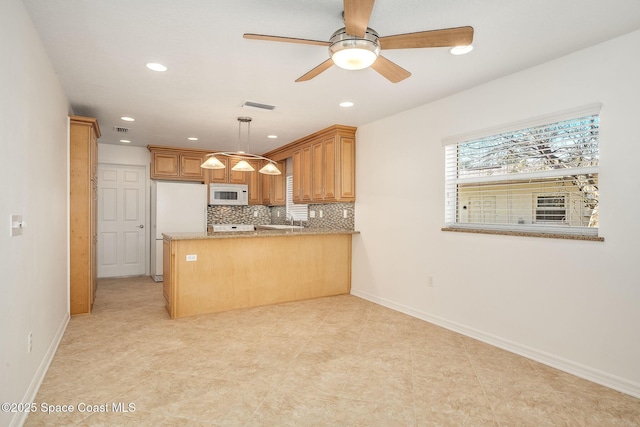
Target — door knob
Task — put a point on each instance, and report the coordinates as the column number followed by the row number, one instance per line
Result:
column 141, row 226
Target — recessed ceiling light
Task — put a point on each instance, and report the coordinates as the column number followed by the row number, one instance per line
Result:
column 346, row 104
column 156, row 67
column 128, row 119
column 126, row 141
column 272, row 136
column 461, row 50
column 192, row 138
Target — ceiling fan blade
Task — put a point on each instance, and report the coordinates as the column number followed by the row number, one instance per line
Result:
column 284, row 39
column 356, row 16
column 313, row 73
column 390, row 70
column 460, row 36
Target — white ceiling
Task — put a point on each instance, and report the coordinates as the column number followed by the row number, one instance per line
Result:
column 99, row 50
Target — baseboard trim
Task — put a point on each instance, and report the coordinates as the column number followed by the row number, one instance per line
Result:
column 603, row 378
column 30, row 396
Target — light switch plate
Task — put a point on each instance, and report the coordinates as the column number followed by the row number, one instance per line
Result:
column 192, row 257
column 16, row 225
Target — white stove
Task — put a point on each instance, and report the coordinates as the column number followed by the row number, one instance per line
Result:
column 232, row 227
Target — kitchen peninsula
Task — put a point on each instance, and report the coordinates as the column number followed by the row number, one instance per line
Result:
column 214, row 272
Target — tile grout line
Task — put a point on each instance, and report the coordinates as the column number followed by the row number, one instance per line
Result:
column 484, row 391
column 276, row 388
column 555, row 393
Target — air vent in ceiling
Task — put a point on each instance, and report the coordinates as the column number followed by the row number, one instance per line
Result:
column 257, row 106
column 120, row 129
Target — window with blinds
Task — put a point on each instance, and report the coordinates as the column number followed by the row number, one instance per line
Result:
column 299, row 212
column 540, row 177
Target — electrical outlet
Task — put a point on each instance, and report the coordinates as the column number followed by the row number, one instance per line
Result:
column 430, row 281
column 29, row 342
column 344, row 213
column 312, row 214
column 192, row 258
column 320, row 213
column 278, row 214
column 255, row 214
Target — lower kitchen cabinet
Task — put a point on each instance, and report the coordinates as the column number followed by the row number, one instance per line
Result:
column 255, row 270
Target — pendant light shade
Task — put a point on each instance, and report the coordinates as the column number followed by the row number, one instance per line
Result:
column 212, row 163
column 243, row 165
column 270, row 169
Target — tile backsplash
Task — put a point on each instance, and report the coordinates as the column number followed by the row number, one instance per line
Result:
column 332, row 216
column 256, row 214
column 327, row 216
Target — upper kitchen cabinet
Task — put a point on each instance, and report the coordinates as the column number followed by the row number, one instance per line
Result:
column 302, row 173
column 176, row 163
column 323, row 165
column 228, row 175
column 254, row 182
column 83, row 212
column 274, row 187
column 219, row 175
column 333, row 168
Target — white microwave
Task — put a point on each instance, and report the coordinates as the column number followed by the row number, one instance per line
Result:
column 228, row 194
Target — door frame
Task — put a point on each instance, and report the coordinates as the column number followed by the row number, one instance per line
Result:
column 147, row 208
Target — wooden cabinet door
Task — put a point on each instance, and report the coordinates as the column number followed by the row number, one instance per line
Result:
column 317, row 171
column 279, row 186
column 83, row 210
column 296, row 189
column 235, row 177
column 329, row 168
column 347, row 169
column 93, row 252
column 305, row 189
column 254, row 182
column 265, row 184
column 220, row 175
column 165, row 165
column 177, row 164
column 190, row 167
column 302, row 175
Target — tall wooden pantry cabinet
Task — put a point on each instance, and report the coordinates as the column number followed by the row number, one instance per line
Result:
column 83, row 181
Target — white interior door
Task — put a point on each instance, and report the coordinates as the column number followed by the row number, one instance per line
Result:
column 121, row 220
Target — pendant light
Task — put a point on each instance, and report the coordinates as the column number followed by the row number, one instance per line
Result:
column 243, row 165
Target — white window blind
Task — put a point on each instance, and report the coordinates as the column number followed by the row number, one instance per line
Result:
column 540, row 178
column 299, row 212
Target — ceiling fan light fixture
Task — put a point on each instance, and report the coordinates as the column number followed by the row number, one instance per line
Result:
column 154, row 66
column 353, row 53
column 461, row 50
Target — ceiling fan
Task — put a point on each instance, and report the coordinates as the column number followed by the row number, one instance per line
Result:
column 357, row 46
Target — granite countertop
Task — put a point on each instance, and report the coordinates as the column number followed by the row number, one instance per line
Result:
column 257, row 233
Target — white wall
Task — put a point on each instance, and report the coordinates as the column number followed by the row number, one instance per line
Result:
column 33, row 176
column 572, row 304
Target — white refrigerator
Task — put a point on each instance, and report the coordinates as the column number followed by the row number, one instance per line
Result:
column 175, row 207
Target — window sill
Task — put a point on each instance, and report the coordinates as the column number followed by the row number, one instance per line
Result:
column 526, row 234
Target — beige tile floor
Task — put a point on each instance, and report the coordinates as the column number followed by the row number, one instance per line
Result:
column 339, row 361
